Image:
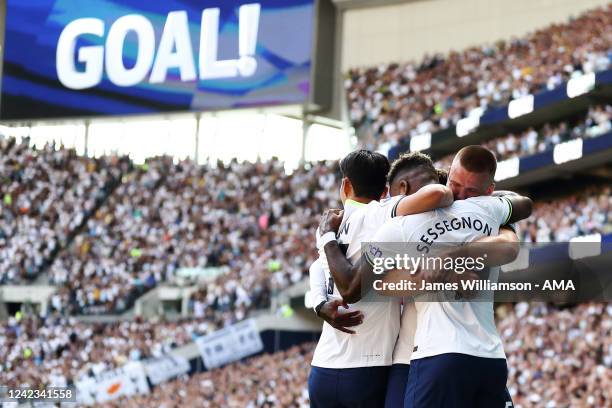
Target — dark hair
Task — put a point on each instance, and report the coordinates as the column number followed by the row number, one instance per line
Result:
column 442, row 176
column 409, row 161
column 367, row 172
column 477, row 159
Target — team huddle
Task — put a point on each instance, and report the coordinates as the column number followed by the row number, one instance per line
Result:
column 404, row 350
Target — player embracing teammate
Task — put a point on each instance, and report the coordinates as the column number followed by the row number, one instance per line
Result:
column 444, row 353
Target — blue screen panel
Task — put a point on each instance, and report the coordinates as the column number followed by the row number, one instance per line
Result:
column 66, row 58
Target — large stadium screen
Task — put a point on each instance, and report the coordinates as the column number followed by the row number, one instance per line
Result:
column 68, row 58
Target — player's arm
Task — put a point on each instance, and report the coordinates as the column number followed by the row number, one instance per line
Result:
column 329, row 310
column 505, row 247
column 490, row 252
column 494, row 250
column 427, row 198
column 520, row 206
column 318, row 287
column 347, row 277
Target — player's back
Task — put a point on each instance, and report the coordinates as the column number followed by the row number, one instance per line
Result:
column 352, row 220
column 373, row 342
column 454, row 327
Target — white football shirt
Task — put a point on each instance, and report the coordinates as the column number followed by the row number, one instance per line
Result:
column 374, row 339
column 449, row 327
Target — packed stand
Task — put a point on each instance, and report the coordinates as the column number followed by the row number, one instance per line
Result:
column 558, row 358
column 561, row 219
column 268, row 380
column 104, row 266
column 252, row 218
column 58, row 350
column 46, row 194
column 597, row 122
column 391, row 102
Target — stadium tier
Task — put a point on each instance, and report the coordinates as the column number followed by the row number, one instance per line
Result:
column 393, row 102
column 250, row 217
column 161, row 215
column 536, row 148
column 566, row 367
column 559, row 355
column 46, row 195
column 60, row 350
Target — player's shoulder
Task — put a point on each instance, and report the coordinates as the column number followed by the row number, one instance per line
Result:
column 402, row 228
column 385, row 202
column 389, row 201
column 352, row 221
column 382, row 207
column 389, row 230
column 412, row 220
column 349, row 217
column 488, row 206
column 482, row 201
column 352, row 214
column 479, row 199
column 356, row 213
column 487, row 198
column 351, row 210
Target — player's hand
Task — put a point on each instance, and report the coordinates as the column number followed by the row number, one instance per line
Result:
column 330, row 221
column 340, row 320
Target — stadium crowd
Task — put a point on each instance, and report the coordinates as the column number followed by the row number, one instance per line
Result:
column 559, row 358
column 60, row 350
column 556, row 358
column 392, row 102
column 89, row 267
column 46, row 194
column 268, row 380
column 597, row 122
column 162, row 214
column 584, row 213
column 133, row 240
column 106, row 231
column 253, row 218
